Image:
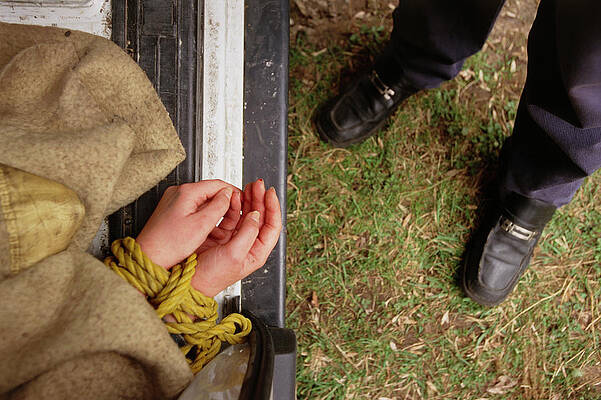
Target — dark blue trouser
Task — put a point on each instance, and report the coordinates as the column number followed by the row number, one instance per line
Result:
column 556, row 140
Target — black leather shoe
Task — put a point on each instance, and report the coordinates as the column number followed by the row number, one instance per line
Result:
column 360, row 111
column 500, row 251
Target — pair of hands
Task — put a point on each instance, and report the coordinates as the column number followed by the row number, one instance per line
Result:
column 185, row 221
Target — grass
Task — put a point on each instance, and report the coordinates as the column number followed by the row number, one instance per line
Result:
column 376, row 233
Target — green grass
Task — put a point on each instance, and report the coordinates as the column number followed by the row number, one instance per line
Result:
column 376, row 233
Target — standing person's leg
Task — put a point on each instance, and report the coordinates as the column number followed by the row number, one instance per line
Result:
column 556, row 141
column 555, row 144
column 430, row 41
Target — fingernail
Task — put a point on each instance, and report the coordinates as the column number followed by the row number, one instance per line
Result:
column 254, row 216
column 272, row 189
column 228, row 193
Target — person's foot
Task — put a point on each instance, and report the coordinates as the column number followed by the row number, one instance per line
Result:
column 360, row 111
column 500, row 251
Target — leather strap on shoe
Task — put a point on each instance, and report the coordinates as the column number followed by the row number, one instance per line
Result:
column 526, row 214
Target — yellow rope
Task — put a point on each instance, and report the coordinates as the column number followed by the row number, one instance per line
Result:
column 170, row 293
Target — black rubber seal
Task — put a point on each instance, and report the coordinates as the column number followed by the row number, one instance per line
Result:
column 259, row 374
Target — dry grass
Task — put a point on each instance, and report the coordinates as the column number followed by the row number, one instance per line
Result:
column 377, row 231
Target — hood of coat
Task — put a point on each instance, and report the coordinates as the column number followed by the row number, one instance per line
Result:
column 82, row 133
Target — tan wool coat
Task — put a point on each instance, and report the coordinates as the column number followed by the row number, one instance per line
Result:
column 82, row 133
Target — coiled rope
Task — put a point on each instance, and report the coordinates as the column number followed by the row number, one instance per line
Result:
column 171, row 293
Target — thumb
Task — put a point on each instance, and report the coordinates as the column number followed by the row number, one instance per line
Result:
column 207, row 217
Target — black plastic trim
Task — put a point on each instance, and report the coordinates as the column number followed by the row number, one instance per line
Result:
column 266, row 141
column 284, row 370
column 258, row 380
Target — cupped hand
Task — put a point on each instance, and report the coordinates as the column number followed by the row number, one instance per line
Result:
column 238, row 249
column 186, row 219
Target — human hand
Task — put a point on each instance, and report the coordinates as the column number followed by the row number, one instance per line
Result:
column 221, row 262
column 186, row 218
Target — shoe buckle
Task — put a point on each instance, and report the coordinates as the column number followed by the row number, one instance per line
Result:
column 381, row 86
column 516, row 230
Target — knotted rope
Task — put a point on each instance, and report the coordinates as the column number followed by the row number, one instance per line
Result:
column 171, row 293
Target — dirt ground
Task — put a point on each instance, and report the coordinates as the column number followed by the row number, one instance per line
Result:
column 325, row 22
column 328, row 21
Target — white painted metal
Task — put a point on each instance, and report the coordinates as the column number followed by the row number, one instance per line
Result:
column 222, row 96
column 92, row 16
column 223, row 72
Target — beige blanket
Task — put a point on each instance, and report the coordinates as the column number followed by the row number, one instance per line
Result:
column 82, row 133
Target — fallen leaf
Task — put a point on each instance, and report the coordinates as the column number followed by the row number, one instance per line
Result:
column 467, row 74
column 301, row 7
column 504, row 383
column 362, row 241
column 445, row 319
column 431, row 386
